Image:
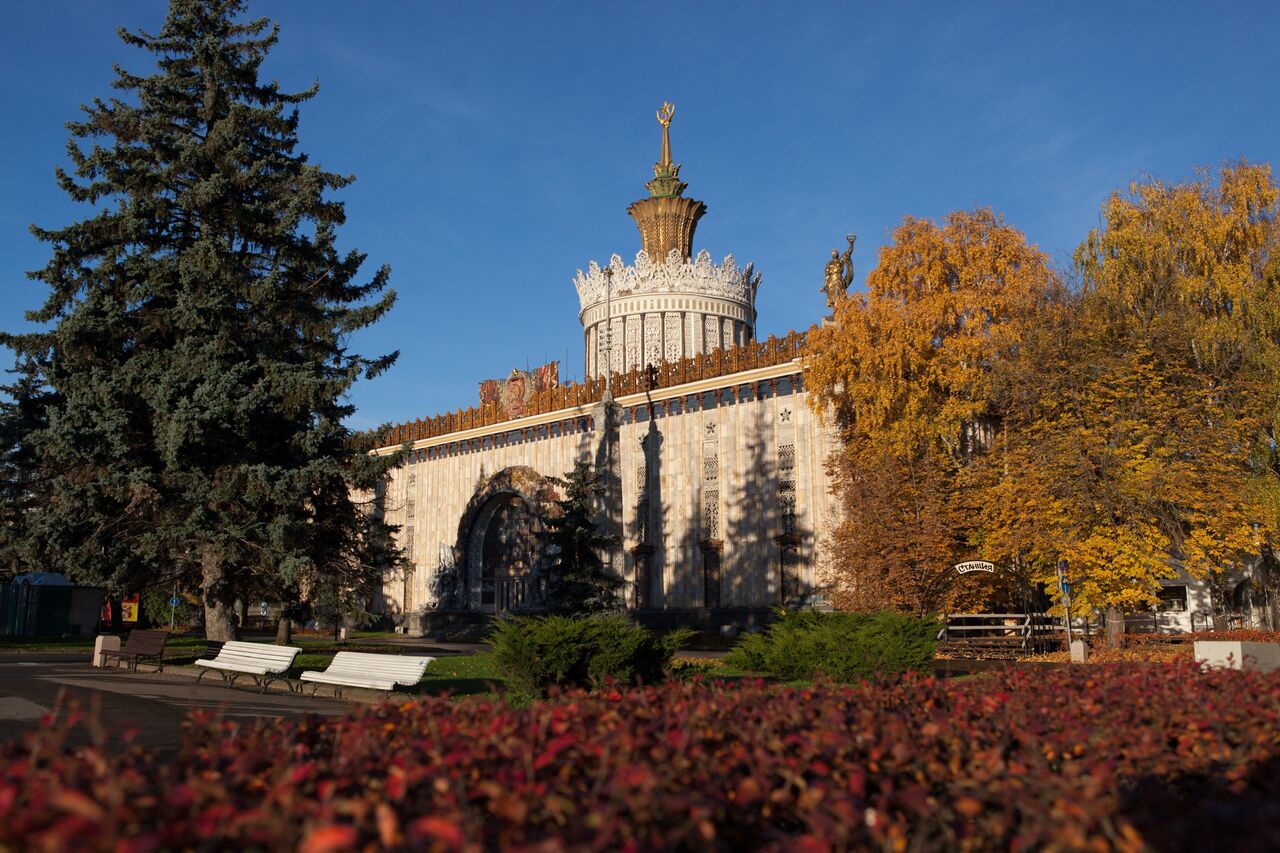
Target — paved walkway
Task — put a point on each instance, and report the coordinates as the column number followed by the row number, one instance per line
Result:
column 154, row 703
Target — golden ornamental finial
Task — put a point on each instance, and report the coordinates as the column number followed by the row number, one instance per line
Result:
column 666, row 181
column 665, row 113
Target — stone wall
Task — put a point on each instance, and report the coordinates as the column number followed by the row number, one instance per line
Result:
column 729, row 470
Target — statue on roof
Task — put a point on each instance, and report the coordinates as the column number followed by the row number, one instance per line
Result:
column 838, row 274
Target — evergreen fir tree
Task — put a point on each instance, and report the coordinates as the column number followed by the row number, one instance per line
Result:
column 23, row 414
column 580, row 581
column 199, row 327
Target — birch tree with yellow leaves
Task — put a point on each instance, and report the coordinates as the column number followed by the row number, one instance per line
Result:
column 906, row 370
column 1142, row 429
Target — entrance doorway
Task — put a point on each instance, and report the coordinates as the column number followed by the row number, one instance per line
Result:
column 509, row 534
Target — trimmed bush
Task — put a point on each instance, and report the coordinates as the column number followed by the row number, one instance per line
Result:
column 535, row 653
column 1189, row 637
column 1083, row 758
column 842, row 646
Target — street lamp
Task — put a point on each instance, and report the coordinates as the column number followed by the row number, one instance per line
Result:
column 1065, row 586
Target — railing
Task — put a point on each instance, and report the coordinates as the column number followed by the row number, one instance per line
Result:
column 1025, row 632
column 668, row 374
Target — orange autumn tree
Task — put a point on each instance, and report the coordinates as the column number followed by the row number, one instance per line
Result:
column 1140, row 428
column 906, row 371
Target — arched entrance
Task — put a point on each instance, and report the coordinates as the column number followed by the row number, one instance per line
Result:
column 508, row 551
column 501, row 542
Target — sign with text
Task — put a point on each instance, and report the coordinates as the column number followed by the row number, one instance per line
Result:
column 975, row 566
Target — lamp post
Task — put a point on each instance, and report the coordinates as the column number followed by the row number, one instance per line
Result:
column 608, row 332
column 606, row 414
column 1065, row 586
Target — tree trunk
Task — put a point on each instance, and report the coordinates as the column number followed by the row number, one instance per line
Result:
column 1115, row 627
column 284, row 630
column 219, row 599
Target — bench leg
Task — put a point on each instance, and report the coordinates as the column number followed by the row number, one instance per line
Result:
column 337, row 690
column 267, row 679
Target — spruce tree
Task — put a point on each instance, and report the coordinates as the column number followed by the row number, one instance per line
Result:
column 580, row 582
column 199, row 323
column 23, row 414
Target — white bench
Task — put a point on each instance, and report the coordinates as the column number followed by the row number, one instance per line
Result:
column 263, row 662
column 361, row 669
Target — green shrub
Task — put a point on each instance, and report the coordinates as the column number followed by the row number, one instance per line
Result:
column 158, row 613
column 842, row 646
column 535, row 653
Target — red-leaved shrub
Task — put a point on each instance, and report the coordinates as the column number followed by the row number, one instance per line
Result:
column 1122, row 757
column 1245, row 636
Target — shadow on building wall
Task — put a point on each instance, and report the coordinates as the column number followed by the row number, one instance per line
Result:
column 650, row 516
column 765, row 543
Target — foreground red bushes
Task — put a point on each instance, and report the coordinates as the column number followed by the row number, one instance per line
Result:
column 1107, row 757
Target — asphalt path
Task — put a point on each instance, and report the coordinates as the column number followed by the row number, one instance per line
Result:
column 154, row 704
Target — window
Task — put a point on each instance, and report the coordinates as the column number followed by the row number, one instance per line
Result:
column 1173, row 599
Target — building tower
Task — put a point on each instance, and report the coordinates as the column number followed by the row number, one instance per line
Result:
column 669, row 304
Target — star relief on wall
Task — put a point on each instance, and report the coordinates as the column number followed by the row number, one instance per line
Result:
column 784, row 415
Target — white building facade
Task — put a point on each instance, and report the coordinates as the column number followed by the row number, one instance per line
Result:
column 714, row 464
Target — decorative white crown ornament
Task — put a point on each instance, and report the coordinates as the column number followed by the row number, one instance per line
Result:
column 675, row 274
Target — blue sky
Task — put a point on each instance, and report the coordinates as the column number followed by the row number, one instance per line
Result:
column 496, row 146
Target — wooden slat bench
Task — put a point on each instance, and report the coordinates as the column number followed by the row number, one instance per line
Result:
column 362, row 669
column 140, row 646
column 263, row 662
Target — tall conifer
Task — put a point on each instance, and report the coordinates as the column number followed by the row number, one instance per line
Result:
column 580, row 581
column 24, row 404
column 199, row 325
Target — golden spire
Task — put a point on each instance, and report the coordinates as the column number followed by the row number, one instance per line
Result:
column 666, row 221
column 666, row 181
column 665, row 114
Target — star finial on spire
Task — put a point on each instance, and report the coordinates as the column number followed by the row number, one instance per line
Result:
column 666, row 181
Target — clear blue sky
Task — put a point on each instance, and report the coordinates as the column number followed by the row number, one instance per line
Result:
column 497, row 145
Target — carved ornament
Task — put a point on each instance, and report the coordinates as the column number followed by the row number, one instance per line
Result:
column 675, row 274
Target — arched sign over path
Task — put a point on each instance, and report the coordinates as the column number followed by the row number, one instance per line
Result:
column 975, row 566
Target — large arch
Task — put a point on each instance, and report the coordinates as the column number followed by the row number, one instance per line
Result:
column 501, row 548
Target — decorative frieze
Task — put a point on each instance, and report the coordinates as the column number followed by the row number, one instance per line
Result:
column 697, row 368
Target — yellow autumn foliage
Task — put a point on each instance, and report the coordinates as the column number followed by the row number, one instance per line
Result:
column 907, row 368
column 1134, row 425
column 1128, row 425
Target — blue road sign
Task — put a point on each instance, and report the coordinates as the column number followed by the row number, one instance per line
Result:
column 173, row 602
